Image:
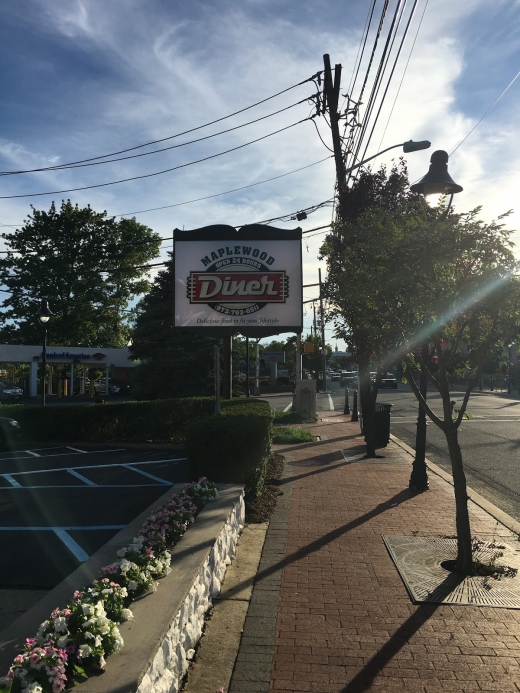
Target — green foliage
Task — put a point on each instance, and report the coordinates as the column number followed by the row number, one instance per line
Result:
column 234, row 447
column 174, row 363
column 160, row 421
column 290, row 417
column 87, row 264
column 286, row 434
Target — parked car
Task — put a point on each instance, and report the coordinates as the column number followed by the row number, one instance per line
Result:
column 389, row 380
column 10, row 393
column 9, row 430
column 350, row 378
column 335, row 377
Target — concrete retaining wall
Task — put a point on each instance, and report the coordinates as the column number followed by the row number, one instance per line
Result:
column 168, row 623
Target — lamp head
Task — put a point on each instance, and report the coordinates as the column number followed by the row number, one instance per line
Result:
column 437, row 181
column 45, row 312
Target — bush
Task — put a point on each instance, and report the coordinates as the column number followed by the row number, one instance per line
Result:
column 283, row 380
column 234, row 447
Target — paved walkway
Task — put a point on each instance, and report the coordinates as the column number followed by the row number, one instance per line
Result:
column 329, row 611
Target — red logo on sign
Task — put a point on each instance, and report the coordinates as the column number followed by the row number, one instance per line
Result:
column 237, row 287
column 98, row 355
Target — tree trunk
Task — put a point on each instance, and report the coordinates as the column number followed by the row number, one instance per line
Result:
column 419, row 476
column 464, row 552
column 367, row 408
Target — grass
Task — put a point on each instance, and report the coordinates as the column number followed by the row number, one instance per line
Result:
column 285, row 435
column 290, row 417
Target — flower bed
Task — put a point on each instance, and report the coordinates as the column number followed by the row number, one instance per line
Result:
column 74, row 642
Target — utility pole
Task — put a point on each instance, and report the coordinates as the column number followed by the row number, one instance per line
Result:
column 322, row 318
column 227, row 351
column 331, row 91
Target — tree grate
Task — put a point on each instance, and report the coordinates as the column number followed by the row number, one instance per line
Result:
column 418, row 561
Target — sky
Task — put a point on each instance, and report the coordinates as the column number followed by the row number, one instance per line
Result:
column 86, row 78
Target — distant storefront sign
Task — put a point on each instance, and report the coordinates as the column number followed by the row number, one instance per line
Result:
column 247, row 281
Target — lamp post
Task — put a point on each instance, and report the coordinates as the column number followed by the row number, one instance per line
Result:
column 509, row 347
column 44, row 314
column 435, row 183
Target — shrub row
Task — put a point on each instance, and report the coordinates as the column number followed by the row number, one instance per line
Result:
column 234, row 447
column 161, row 421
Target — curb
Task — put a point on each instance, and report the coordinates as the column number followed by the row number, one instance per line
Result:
column 502, row 517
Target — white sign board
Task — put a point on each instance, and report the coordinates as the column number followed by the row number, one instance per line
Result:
column 247, row 281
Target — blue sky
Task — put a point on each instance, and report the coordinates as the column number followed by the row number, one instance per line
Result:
column 82, row 78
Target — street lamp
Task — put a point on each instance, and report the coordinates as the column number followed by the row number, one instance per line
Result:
column 434, row 184
column 509, row 347
column 44, row 314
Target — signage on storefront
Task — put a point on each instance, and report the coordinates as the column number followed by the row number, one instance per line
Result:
column 247, row 281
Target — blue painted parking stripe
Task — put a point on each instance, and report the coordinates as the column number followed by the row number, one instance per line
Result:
column 96, row 466
column 67, row 529
column 12, row 481
column 72, row 545
column 84, row 486
column 150, row 476
column 80, row 477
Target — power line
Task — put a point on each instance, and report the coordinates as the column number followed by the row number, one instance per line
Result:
column 488, row 110
column 63, row 167
column 186, row 132
column 200, row 199
column 156, row 173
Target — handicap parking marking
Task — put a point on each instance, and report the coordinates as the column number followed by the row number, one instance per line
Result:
column 13, row 482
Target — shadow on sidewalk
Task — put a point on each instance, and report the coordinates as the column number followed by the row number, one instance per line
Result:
column 322, row 461
column 363, row 680
column 315, row 444
column 314, row 546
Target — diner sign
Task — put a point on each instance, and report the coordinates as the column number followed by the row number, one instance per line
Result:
column 247, row 281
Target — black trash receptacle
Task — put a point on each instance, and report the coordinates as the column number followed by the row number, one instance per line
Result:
column 382, row 425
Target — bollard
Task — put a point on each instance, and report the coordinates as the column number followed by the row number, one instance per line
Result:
column 354, row 416
column 346, row 409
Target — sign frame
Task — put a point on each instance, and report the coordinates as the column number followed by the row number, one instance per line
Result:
column 218, row 233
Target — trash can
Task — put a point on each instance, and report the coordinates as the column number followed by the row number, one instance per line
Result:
column 382, row 425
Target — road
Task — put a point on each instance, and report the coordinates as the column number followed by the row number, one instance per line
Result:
column 490, row 441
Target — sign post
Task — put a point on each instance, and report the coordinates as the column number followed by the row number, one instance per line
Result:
column 216, row 360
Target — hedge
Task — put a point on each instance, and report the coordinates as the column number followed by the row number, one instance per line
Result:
column 161, row 421
column 234, row 447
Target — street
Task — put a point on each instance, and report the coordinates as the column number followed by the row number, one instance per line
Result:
column 490, row 441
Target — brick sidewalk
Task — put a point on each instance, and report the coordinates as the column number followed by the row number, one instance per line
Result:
column 344, row 620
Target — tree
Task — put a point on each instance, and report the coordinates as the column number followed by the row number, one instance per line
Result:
column 88, row 265
column 174, row 363
column 362, row 280
column 435, row 290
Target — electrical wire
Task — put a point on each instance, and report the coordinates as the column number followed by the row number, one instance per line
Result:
column 402, row 78
column 156, row 173
column 64, row 167
column 199, row 199
column 186, row 132
column 396, row 60
column 488, row 110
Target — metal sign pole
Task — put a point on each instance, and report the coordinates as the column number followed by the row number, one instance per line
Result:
column 216, row 355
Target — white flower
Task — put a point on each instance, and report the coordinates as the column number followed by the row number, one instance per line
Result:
column 98, row 641
column 124, row 592
column 87, row 609
column 89, row 635
column 132, row 586
column 100, row 609
column 85, row 651
column 102, row 662
column 33, row 688
column 104, row 629
column 109, row 590
column 62, row 642
column 122, row 552
column 127, row 615
column 119, row 642
column 124, row 566
column 60, row 624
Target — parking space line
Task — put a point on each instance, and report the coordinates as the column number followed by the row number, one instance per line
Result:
column 150, row 476
column 30, row 452
column 331, row 403
column 84, row 486
column 81, row 477
column 72, row 545
column 67, row 529
column 12, row 481
column 96, row 466
column 75, row 449
column 288, row 407
column 60, row 454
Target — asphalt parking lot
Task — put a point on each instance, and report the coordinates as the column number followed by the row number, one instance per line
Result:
column 58, row 505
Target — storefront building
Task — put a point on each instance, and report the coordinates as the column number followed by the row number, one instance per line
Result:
column 115, row 363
